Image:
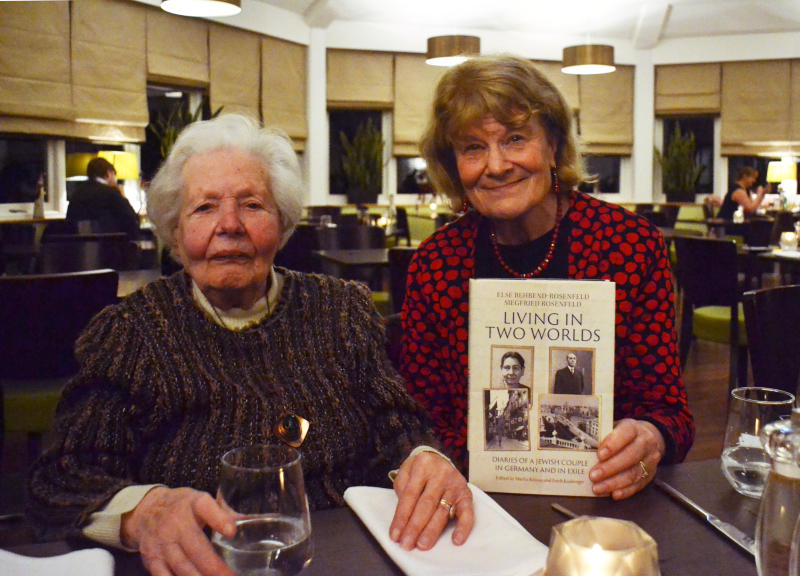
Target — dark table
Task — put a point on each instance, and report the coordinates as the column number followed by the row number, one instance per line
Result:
column 374, row 257
column 687, row 546
column 788, row 262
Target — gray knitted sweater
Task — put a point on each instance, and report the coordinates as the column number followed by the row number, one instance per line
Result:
column 163, row 391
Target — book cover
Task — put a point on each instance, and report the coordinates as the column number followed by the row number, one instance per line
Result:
column 541, row 383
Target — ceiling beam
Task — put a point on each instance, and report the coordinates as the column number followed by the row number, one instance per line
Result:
column 319, row 14
column 653, row 18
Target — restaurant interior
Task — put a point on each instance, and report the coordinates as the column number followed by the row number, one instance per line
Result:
column 696, row 90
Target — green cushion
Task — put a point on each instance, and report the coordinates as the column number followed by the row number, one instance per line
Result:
column 713, row 323
column 383, row 302
column 29, row 405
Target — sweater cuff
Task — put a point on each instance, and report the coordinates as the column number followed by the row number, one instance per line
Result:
column 104, row 525
column 414, row 452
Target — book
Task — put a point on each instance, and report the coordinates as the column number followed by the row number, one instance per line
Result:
column 541, row 383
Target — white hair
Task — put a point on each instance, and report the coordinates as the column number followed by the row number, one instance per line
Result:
column 271, row 146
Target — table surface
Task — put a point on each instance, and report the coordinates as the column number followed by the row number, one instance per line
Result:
column 687, row 546
column 359, row 257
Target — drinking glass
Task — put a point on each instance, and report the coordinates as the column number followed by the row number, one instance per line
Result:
column 744, row 461
column 602, row 546
column 263, row 487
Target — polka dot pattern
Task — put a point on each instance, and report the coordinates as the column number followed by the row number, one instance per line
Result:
column 606, row 242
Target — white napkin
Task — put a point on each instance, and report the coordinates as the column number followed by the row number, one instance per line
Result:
column 89, row 562
column 497, row 546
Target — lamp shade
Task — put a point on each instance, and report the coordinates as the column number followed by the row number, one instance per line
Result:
column 452, row 50
column 126, row 164
column 76, row 165
column 206, row 8
column 588, row 59
column 780, row 171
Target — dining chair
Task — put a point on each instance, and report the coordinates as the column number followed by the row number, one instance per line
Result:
column 298, row 252
column 401, row 229
column 76, row 252
column 772, row 317
column 759, row 231
column 399, row 259
column 707, row 272
column 41, row 316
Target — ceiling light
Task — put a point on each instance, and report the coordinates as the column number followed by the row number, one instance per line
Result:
column 588, row 59
column 452, row 50
column 209, row 8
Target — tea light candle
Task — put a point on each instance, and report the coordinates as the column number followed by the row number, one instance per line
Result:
column 593, row 546
column 788, row 241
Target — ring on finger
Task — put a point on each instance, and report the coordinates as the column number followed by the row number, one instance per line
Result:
column 451, row 510
column 645, row 473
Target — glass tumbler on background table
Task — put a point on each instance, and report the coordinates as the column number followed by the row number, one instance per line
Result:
column 744, row 461
column 263, row 487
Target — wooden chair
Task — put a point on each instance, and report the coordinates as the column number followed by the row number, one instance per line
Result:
column 298, row 253
column 707, row 272
column 772, row 317
column 77, row 252
column 401, row 229
column 399, row 259
column 41, row 316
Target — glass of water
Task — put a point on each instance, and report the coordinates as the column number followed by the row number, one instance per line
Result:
column 263, row 487
column 744, row 461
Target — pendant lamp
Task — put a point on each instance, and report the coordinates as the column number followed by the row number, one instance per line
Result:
column 207, row 8
column 452, row 50
column 588, row 59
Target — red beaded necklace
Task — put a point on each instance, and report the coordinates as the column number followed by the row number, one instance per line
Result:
column 547, row 257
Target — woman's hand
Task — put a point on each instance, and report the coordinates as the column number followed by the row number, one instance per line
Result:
column 422, row 482
column 628, row 458
column 167, row 528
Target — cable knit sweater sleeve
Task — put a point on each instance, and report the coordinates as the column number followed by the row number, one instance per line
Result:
column 162, row 392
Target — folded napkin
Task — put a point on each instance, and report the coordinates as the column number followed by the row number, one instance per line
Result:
column 89, row 562
column 497, row 546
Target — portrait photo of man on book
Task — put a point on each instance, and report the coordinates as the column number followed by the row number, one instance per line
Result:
column 573, row 377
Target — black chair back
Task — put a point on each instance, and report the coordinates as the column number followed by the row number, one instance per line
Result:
column 399, row 259
column 759, row 231
column 401, row 229
column 42, row 315
column 707, row 272
column 772, row 317
column 298, row 253
column 784, row 222
column 360, row 237
column 76, row 252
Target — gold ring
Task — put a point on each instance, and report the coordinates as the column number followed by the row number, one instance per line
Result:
column 451, row 510
column 645, row 473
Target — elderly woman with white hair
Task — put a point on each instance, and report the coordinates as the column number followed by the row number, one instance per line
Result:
column 215, row 356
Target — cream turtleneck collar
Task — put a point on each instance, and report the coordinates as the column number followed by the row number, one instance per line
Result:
column 238, row 318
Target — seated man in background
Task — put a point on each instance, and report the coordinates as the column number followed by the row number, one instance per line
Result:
column 100, row 199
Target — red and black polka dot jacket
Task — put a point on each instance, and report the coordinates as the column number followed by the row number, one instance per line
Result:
column 605, row 242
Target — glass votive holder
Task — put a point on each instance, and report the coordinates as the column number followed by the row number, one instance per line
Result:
column 595, row 546
column 788, row 241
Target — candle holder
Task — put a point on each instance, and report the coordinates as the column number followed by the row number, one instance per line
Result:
column 594, row 546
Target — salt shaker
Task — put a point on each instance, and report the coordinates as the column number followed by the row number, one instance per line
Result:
column 780, row 502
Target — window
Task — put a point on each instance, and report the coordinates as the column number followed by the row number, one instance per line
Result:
column 703, row 129
column 348, row 123
column 603, row 174
column 22, row 163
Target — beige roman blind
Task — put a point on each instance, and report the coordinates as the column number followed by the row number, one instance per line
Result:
column 754, row 119
column 235, row 67
column 414, row 87
column 794, row 128
column 357, row 79
column 688, row 89
column 177, row 49
column 606, row 112
column 69, row 129
column 109, row 71
column 283, row 88
column 34, row 59
column 567, row 84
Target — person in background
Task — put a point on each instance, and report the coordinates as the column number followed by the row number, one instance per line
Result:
column 218, row 356
column 500, row 143
column 739, row 194
column 99, row 199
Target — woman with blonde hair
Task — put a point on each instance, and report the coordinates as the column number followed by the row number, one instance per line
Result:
column 500, row 144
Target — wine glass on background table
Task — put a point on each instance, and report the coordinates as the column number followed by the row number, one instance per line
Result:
column 263, row 487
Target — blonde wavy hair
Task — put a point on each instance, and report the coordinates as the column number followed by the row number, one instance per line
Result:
column 512, row 90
